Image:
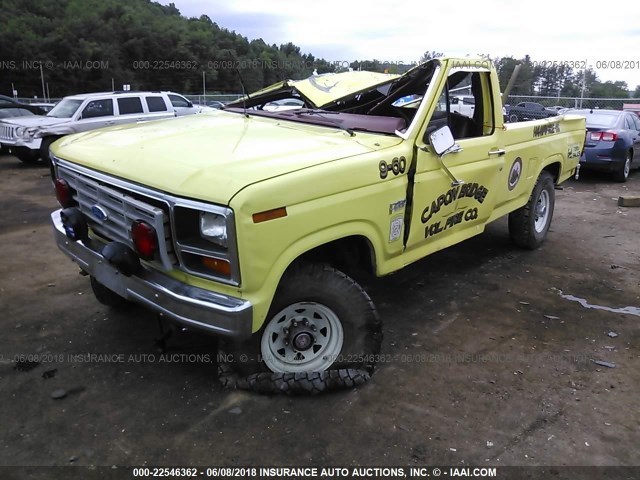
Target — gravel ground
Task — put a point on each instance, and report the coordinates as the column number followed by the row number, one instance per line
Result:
column 488, row 357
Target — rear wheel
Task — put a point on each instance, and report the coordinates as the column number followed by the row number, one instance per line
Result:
column 528, row 226
column 622, row 173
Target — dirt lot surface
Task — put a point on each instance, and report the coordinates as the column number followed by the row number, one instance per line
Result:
column 485, row 362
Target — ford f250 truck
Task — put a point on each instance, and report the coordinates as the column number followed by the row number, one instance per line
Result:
column 252, row 224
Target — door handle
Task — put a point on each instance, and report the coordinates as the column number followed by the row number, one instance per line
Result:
column 108, row 123
column 500, row 151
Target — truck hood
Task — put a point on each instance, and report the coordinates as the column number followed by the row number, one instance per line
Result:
column 319, row 90
column 35, row 121
column 211, row 156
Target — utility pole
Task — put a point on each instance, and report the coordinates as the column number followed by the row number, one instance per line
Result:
column 44, row 95
column 584, row 82
column 204, row 88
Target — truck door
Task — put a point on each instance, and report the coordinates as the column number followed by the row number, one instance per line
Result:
column 447, row 211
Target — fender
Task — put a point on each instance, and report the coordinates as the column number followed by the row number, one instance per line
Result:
column 262, row 298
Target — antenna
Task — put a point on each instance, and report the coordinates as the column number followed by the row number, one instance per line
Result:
column 244, row 94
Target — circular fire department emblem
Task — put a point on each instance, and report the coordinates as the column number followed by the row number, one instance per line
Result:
column 515, row 173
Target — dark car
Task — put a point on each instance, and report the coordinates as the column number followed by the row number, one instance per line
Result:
column 613, row 139
column 527, row 111
column 8, row 102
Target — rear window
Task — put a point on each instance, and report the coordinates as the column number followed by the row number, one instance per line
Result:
column 156, row 104
column 599, row 119
column 129, row 105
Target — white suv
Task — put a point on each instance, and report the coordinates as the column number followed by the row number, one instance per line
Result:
column 29, row 138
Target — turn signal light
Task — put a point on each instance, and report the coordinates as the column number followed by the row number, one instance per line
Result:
column 144, row 239
column 269, row 215
column 221, row 267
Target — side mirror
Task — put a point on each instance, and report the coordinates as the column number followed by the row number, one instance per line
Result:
column 442, row 140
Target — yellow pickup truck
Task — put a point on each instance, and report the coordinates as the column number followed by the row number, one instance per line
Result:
column 251, row 223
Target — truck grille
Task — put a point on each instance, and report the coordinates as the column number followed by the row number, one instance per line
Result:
column 6, row 132
column 121, row 211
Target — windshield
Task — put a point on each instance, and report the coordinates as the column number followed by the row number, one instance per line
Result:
column 65, row 109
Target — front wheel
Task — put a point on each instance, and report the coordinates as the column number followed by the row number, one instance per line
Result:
column 108, row 297
column 513, row 118
column 320, row 319
column 44, row 148
column 25, row 155
column 528, row 226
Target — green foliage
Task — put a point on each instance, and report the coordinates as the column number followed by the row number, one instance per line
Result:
column 136, row 42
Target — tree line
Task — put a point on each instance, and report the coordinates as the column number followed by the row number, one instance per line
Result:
column 94, row 45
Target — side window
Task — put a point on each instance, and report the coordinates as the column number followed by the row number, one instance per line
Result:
column 628, row 123
column 129, row 105
column 156, row 104
column 470, row 109
column 636, row 120
column 178, row 101
column 98, row 108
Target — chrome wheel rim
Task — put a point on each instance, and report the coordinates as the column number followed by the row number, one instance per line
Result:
column 627, row 167
column 542, row 211
column 303, row 337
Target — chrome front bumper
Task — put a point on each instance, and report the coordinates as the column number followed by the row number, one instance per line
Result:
column 191, row 306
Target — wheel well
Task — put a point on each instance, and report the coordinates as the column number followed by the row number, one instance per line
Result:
column 352, row 255
column 554, row 170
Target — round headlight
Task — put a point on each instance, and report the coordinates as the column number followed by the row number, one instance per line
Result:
column 20, row 131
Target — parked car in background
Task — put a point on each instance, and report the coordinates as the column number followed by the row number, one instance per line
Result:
column 527, row 111
column 45, row 106
column 282, row 105
column 10, row 112
column 30, row 138
column 215, row 104
column 8, row 102
column 15, row 112
column 612, row 143
column 556, row 109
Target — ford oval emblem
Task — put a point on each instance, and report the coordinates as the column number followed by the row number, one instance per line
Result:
column 100, row 213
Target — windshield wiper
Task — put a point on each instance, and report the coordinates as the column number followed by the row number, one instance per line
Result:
column 321, row 114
